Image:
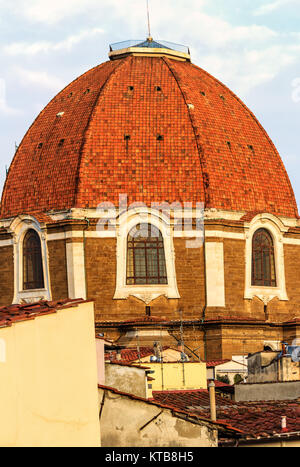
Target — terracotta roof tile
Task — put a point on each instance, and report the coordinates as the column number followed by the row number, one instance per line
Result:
column 175, row 409
column 253, row 418
column 131, row 355
column 215, row 151
column 214, row 363
column 16, row 313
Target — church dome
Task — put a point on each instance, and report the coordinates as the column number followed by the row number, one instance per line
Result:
column 150, row 124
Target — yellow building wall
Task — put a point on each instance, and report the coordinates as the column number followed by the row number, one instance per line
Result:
column 177, row 376
column 48, row 381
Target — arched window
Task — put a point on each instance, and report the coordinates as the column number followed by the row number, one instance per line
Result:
column 33, row 276
column 146, row 263
column 263, row 261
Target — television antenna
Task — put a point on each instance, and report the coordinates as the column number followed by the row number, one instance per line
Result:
column 149, row 26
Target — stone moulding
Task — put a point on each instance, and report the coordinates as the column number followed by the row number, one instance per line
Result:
column 18, row 228
column 146, row 293
column 277, row 230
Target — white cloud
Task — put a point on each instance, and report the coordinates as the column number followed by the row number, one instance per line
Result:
column 215, row 32
column 53, row 11
column 252, row 68
column 25, row 48
column 275, row 5
column 38, row 78
column 48, row 11
column 4, row 107
column 243, row 55
column 296, row 90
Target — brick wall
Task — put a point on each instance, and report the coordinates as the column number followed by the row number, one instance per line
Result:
column 222, row 342
column 58, row 269
column 6, row 275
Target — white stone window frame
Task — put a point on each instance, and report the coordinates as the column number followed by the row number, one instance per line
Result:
column 276, row 229
column 19, row 228
column 145, row 292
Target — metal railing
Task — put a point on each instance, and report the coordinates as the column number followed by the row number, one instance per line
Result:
column 149, row 44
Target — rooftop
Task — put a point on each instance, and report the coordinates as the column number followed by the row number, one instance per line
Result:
column 149, row 47
column 214, row 363
column 255, row 419
column 175, row 409
column 17, row 313
column 131, row 355
column 84, row 148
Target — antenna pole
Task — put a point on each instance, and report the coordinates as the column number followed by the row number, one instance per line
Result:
column 182, row 343
column 149, row 28
column 138, row 345
column 161, row 361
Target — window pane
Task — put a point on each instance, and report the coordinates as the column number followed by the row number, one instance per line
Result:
column 152, row 263
column 130, row 264
column 33, row 277
column 162, row 263
column 140, row 262
column 145, row 256
column 263, row 261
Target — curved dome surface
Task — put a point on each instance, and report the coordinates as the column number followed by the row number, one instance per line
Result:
column 155, row 128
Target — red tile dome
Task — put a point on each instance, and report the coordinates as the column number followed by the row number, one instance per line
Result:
column 155, row 127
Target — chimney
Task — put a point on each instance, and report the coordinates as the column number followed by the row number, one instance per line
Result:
column 284, row 348
column 212, row 400
column 157, row 351
column 119, row 356
column 283, row 425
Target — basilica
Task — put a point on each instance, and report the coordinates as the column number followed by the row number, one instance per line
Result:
column 149, row 188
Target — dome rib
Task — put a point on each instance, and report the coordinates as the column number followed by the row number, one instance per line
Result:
column 293, row 198
column 78, row 180
column 159, row 161
column 227, row 129
column 42, row 176
column 205, row 176
column 154, row 128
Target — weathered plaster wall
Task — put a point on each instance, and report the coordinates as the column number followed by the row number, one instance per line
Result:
column 126, row 379
column 268, row 391
column 266, row 367
column 124, row 423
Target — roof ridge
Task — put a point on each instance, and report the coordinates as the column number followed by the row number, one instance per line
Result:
column 117, row 65
column 3, row 197
column 233, row 94
column 204, row 175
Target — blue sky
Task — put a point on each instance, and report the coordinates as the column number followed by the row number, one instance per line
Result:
column 252, row 46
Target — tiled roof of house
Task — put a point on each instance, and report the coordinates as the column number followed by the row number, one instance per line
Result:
column 131, row 355
column 154, row 128
column 16, row 313
column 175, row 409
column 214, row 363
column 221, row 384
column 253, row 418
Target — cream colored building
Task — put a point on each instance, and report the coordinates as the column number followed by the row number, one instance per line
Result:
column 177, row 376
column 229, row 368
column 48, row 376
column 142, row 380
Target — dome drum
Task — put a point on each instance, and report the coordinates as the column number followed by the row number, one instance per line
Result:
column 151, row 127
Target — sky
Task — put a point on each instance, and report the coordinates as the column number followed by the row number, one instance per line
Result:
column 253, row 46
